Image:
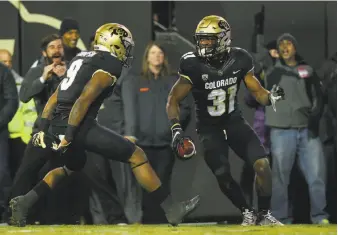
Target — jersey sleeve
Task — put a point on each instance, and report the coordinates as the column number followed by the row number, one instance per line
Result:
column 109, row 65
column 247, row 61
column 186, row 69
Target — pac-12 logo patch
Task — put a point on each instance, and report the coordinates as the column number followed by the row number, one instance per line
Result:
column 205, row 77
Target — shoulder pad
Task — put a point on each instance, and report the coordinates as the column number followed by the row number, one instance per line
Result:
column 188, row 59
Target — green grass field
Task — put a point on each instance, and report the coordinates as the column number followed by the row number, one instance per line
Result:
column 167, row 230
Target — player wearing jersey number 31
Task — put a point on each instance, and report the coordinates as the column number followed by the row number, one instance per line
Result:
column 71, row 114
column 214, row 73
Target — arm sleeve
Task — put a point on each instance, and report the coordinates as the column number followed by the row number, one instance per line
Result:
column 31, row 85
column 10, row 95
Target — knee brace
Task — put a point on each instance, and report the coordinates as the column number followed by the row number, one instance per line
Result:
column 261, row 166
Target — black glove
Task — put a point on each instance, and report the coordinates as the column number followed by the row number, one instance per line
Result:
column 259, row 21
column 276, row 94
column 177, row 137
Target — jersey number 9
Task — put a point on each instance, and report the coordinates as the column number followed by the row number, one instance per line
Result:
column 71, row 74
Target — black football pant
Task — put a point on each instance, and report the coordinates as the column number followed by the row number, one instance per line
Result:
column 162, row 160
column 241, row 138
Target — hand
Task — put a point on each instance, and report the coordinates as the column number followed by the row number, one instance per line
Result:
column 47, row 71
column 60, row 69
column 38, row 139
column 276, row 94
column 131, row 139
column 62, row 147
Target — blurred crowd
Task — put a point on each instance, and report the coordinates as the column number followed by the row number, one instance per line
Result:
column 106, row 192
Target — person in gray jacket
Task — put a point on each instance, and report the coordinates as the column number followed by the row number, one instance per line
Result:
column 295, row 130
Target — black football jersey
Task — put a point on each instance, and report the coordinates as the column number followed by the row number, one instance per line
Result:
column 81, row 69
column 215, row 90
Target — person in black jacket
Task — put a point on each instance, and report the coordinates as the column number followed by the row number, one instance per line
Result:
column 8, row 107
column 116, row 196
column 328, row 74
column 151, row 129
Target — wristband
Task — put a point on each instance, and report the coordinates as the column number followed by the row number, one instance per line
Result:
column 44, row 124
column 70, row 133
column 174, row 123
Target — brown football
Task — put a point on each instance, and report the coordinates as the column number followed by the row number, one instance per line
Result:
column 188, row 150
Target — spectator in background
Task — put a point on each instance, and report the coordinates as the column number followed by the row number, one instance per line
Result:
column 70, row 33
column 295, row 130
column 152, row 131
column 328, row 74
column 21, row 126
column 8, row 106
column 116, row 194
column 264, row 59
column 109, row 199
column 39, row 84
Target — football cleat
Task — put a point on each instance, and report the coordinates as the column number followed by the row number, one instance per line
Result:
column 19, row 211
column 178, row 211
column 249, row 218
column 266, row 218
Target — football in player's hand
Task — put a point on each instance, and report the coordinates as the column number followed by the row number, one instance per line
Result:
column 188, row 149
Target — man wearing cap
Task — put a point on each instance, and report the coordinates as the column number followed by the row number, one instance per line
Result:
column 70, row 33
column 295, row 130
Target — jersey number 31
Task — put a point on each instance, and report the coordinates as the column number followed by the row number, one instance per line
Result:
column 219, row 97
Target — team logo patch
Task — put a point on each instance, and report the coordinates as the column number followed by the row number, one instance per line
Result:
column 303, row 72
column 205, row 77
column 220, row 73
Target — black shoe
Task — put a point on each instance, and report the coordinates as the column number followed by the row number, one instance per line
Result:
column 178, row 211
column 19, row 211
column 266, row 218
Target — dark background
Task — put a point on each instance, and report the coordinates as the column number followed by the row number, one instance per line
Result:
column 312, row 23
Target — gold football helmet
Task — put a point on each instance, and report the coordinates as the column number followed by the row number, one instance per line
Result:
column 212, row 36
column 116, row 39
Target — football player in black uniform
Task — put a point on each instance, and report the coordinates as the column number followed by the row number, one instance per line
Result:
column 213, row 73
column 71, row 112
